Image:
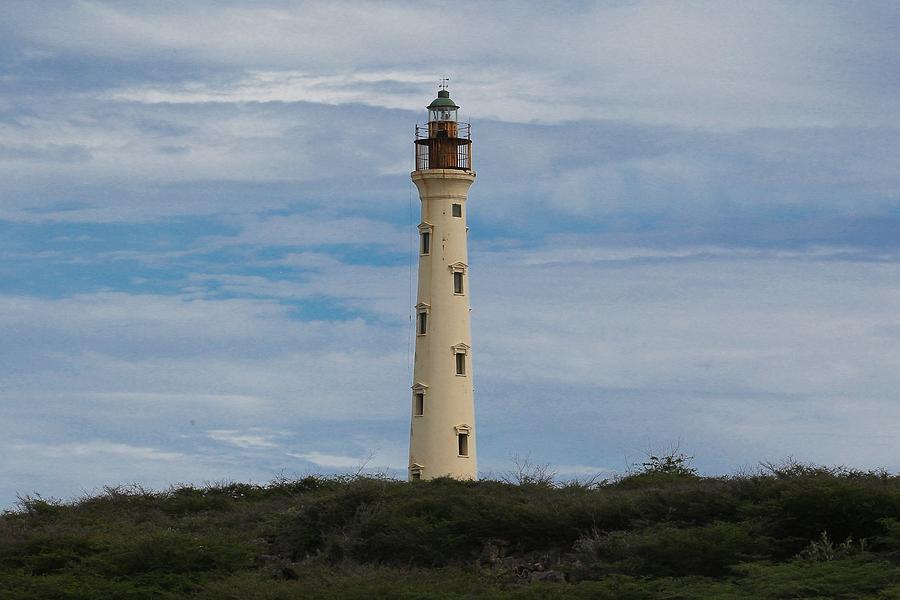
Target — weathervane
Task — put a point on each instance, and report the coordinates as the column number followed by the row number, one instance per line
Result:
column 444, row 83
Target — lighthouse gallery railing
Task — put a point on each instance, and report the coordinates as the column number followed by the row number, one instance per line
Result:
column 444, row 152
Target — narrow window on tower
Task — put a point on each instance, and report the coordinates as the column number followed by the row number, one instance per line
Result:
column 463, row 439
column 460, row 363
column 422, row 326
column 459, row 271
column 419, row 408
column 425, row 247
column 456, row 210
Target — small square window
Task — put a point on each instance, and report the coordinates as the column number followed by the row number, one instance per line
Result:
column 422, row 327
column 463, row 439
column 456, row 210
column 425, row 247
column 457, row 283
column 419, row 408
column 460, row 363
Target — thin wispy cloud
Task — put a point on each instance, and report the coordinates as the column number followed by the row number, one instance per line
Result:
column 248, row 439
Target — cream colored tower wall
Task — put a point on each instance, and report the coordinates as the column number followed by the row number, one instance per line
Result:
column 449, row 402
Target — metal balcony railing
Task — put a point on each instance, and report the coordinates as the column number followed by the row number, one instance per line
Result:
column 437, row 150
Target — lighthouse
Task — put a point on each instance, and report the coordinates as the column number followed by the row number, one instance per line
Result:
column 442, row 430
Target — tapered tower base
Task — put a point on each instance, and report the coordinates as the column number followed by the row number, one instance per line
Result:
column 442, row 435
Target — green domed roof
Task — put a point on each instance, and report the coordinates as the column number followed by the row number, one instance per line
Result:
column 442, row 101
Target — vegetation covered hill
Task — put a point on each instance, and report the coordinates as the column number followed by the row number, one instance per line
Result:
column 788, row 532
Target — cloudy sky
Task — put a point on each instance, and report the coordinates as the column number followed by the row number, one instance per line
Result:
column 685, row 230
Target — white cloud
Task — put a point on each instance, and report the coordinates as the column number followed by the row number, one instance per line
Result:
column 707, row 64
column 330, row 461
column 315, row 230
column 744, row 356
column 186, row 354
column 767, row 325
column 697, row 64
column 393, row 460
column 224, row 144
column 81, row 450
column 370, row 290
column 581, row 471
column 240, row 439
column 289, row 86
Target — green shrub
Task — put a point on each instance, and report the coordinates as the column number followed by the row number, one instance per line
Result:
column 669, row 551
column 798, row 509
column 662, row 533
column 170, row 551
column 186, row 500
column 860, row 576
column 47, row 552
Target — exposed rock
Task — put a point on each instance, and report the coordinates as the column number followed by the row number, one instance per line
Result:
column 493, row 552
column 551, row 576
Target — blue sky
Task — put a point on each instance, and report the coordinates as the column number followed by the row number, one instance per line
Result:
column 685, row 230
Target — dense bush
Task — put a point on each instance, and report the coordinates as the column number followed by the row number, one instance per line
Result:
column 662, row 532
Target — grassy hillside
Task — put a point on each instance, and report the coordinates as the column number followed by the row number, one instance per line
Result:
column 792, row 532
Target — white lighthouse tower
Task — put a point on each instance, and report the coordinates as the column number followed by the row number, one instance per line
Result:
column 442, row 432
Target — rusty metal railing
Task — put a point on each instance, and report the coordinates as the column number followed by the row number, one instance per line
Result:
column 442, row 151
column 464, row 131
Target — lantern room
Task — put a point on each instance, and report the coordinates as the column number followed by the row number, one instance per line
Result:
column 442, row 108
column 445, row 143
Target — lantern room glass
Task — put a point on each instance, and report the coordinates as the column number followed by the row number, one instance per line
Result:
column 442, row 114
